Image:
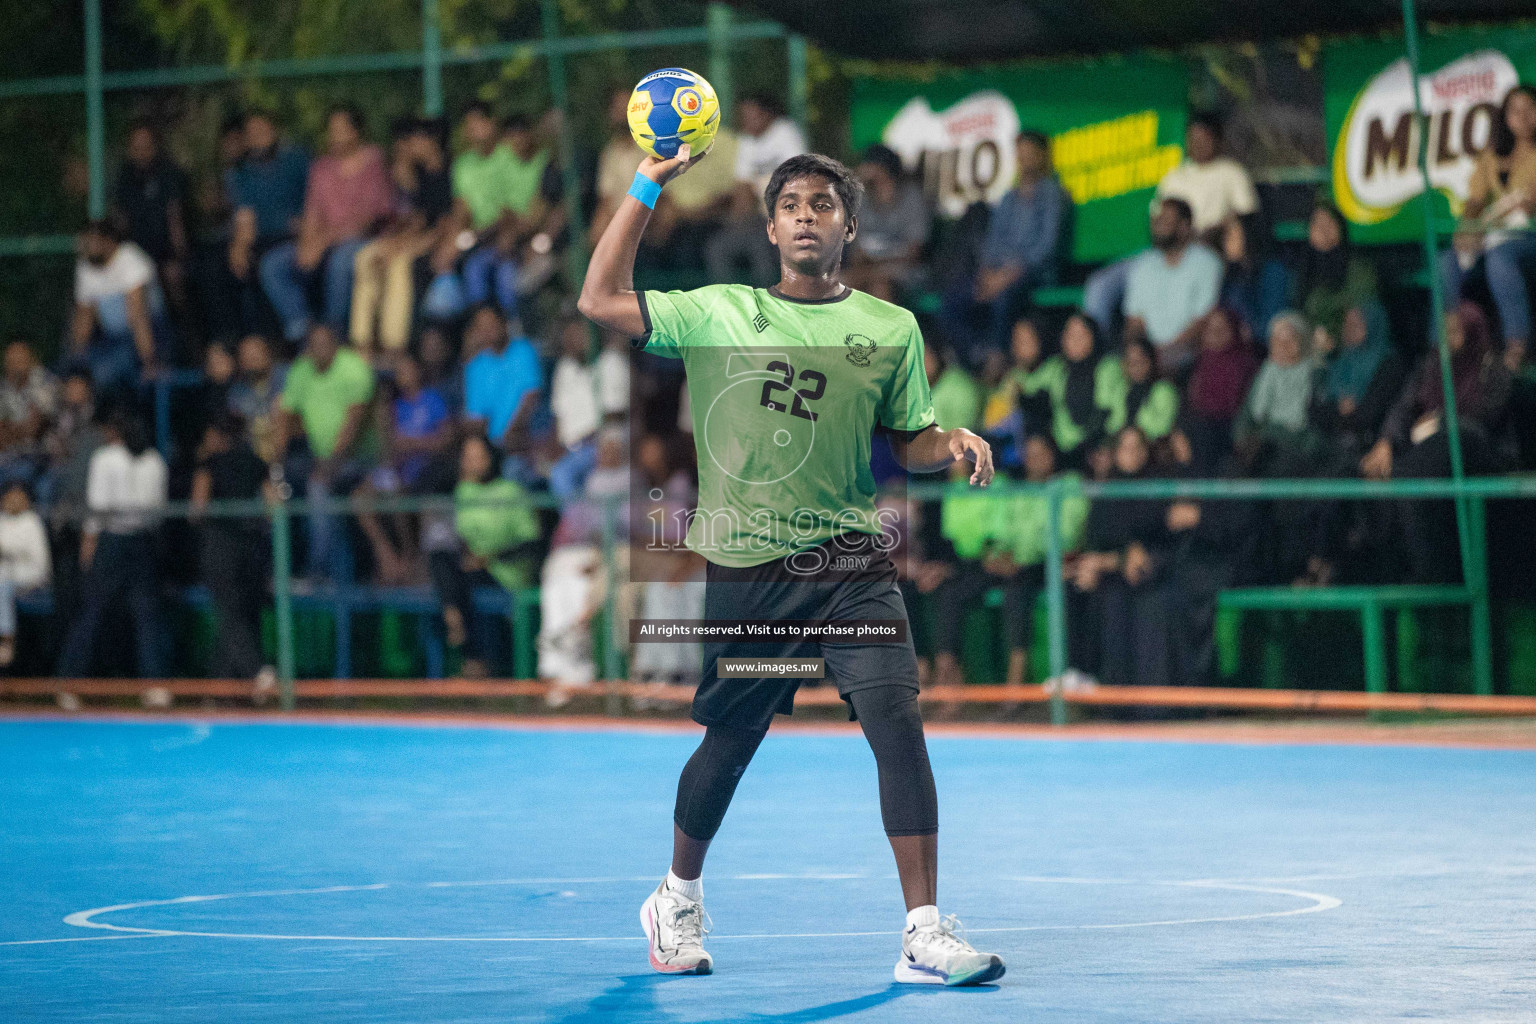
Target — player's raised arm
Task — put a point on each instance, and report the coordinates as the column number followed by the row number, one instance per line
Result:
column 608, row 293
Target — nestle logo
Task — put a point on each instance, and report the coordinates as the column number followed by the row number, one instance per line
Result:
column 1478, row 83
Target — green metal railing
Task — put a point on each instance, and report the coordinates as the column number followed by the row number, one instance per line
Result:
column 1473, row 491
column 719, row 33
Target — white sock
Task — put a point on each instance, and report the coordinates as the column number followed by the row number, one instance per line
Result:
column 693, row 890
column 923, row 917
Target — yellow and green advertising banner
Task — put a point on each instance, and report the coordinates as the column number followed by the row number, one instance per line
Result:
column 1374, row 140
column 1116, row 125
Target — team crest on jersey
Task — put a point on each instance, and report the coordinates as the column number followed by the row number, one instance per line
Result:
column 859, row 349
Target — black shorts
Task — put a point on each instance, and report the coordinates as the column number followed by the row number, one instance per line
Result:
column 859, row 582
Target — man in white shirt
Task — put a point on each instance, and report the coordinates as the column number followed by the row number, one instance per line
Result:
column 1172, row 285
column 125, row 488
column 1216, row 187
column 766, row 139
column 117, row 308
column 584, row 395
column 1217, row 190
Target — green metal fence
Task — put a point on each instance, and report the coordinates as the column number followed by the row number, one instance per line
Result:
column 1471, row 491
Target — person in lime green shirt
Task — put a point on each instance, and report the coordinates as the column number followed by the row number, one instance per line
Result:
column 500, row 535
column 326, row 398
column 955, row 394
column 1081, row 386
column 505, row 189
column 1002, row 545
column 1140, row 397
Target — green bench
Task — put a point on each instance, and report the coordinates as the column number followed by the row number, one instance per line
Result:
column 1371, row 602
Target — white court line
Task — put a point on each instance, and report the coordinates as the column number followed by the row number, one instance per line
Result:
column 86, row 918
column 78, row 938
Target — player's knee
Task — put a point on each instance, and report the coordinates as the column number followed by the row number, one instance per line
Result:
column 888, row 711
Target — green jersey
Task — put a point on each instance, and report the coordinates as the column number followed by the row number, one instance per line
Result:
column 786, row 396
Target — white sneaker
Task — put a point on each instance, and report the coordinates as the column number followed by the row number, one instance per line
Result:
column 676, row 926
column 932, row 954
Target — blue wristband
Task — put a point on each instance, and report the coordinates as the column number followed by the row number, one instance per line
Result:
column 645, row 190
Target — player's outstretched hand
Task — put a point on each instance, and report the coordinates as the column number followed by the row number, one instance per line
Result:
column 662, row 171
column 965, row 445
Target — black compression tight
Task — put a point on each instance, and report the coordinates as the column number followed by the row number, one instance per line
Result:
column 909, row 803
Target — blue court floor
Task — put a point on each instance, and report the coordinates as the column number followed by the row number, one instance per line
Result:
column 188, row 872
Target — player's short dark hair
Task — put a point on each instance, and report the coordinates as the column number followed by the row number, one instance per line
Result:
column 1210, row 121
column 1185, row 212
column 849, row 189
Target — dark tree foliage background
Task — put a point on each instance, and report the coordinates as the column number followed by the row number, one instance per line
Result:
column 43, row 176
column 1271, row 91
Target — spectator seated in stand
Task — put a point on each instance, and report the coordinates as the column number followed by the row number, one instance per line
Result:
column 384, row 293
column 894, row 224
column 1012, row 555
column 1217, row 188
column 219, row 371
column 1350, row 401
column 1334, row 278
column 29, row 399
column 584, row 395
column 1119, row 598
column 1025, row 246
column 120, row 331
column 506, row 195
column 254, row 394
column 1495, row 229
column 502, row 386
column 1219, row 194
column 499, row 546
column 326, row 400
column 1139, row 396
column 1171, row 286
column 417, row 431
column 347, row 197
column 149, row 204
column 1256, row 284
column 1082, row 386
column 767, row 138
column 266, row 189
column 1273, row 436
column 25, row 565
column 440, row 368
column 956, row 396
column 1223, row 370
column 1414, row 441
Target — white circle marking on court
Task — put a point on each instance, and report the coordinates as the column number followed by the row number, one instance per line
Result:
column 87, row 918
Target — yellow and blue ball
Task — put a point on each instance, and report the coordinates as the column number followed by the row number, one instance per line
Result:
column 672, row 107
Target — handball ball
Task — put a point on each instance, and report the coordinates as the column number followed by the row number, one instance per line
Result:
column 673, row 107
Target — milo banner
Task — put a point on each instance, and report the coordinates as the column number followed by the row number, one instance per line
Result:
column 1375, row 140
column 1117, row 126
